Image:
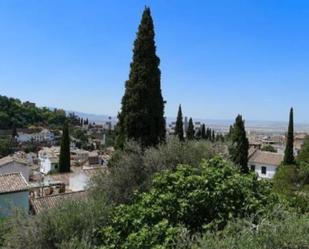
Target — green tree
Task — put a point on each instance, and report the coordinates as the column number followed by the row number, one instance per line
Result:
column 198, row 199
column 142, row 112
column 179, row 125
column 190, row 131
column 64, row 158
column 203, row 132
column 240, row 145
column 289, row 149
column 213, row 136
column 269, row 148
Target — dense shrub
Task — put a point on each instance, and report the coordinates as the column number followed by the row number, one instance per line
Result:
column 194, row 198
column 69, row 224
column 289, row 183
column 132, row 169
column 280, row 230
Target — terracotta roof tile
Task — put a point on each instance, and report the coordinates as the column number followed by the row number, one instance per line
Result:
column 265, row 157
column 47, row 202
column 12, row 182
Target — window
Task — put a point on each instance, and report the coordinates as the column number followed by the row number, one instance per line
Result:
column 263, row 169
column 252, row 167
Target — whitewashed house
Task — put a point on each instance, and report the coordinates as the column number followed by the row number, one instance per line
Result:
column 43, row 136
column 48, row 159
column 14, row 193
column 264, row 163
column 11, row 164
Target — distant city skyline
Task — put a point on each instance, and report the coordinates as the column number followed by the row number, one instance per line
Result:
column 218, row 58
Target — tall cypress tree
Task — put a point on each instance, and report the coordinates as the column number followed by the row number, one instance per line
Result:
column 190, row 131
column 203, row 132
column 213, row 138
column 289, row 149
column 179, row 125
column 64, row 158
column 240, row 145
column 142, row 113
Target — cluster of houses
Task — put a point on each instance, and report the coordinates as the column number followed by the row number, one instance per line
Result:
column 265, row 163
column 27, row 180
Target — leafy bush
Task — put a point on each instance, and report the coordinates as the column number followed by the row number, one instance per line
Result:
column 71, row 223
column 132, row 168
column 280, row 230
column 288, row 183
column 269, row 148
column 197, row 199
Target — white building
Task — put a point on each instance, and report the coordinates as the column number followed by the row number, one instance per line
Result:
column 10, row 164
column 264, row 163
column 43, row 136
column 48, row 159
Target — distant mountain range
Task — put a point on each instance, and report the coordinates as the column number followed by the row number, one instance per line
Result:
column 218, row 124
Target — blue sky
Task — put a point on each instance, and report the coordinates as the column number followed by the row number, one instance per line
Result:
column 218, row 58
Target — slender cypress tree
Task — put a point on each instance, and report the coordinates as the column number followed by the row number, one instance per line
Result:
column 179, row 125
column 208, row 134
column 213, row 138
column 203, row 132
column 240, row 145
column 64, row 158
column 289, row 149
column 142, row 113
column 190, row 131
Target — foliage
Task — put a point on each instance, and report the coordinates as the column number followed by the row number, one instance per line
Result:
column 142, row 112
column 240, row 144
column 132, row 168
column 15, row 113
column 269, row 148
column 289, row 184
column 289, row 151
column 278, row 230
column 6, row 146
column 197, row 198
column 72, row 223
column 190, row 131
column 64, row 158
column 179, row 125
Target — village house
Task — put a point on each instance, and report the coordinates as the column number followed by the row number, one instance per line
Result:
column 264, row 163
column 48, row 159
column 41, row 204
column 12, row 164
column 14, row 193
column 44, row 135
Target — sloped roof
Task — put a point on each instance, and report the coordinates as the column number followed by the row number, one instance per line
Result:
column 12, row 182
column 47, row 202
column 265, row 157
column 9, row 159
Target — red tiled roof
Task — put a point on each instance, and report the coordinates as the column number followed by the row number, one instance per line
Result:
column 12, row 182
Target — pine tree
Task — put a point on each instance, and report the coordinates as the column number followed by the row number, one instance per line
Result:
column 142, row 113
column 179, row 125
column 190, row 131
column 240, row 145
column 203, row 132
column 289, row 149
column 64, row 158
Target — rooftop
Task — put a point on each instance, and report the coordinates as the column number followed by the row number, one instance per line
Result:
column 52, row 201
column 9, row 159
column 265, row 157
column 13, row 182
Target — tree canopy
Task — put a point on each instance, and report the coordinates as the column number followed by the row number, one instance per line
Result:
column 142, row 112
